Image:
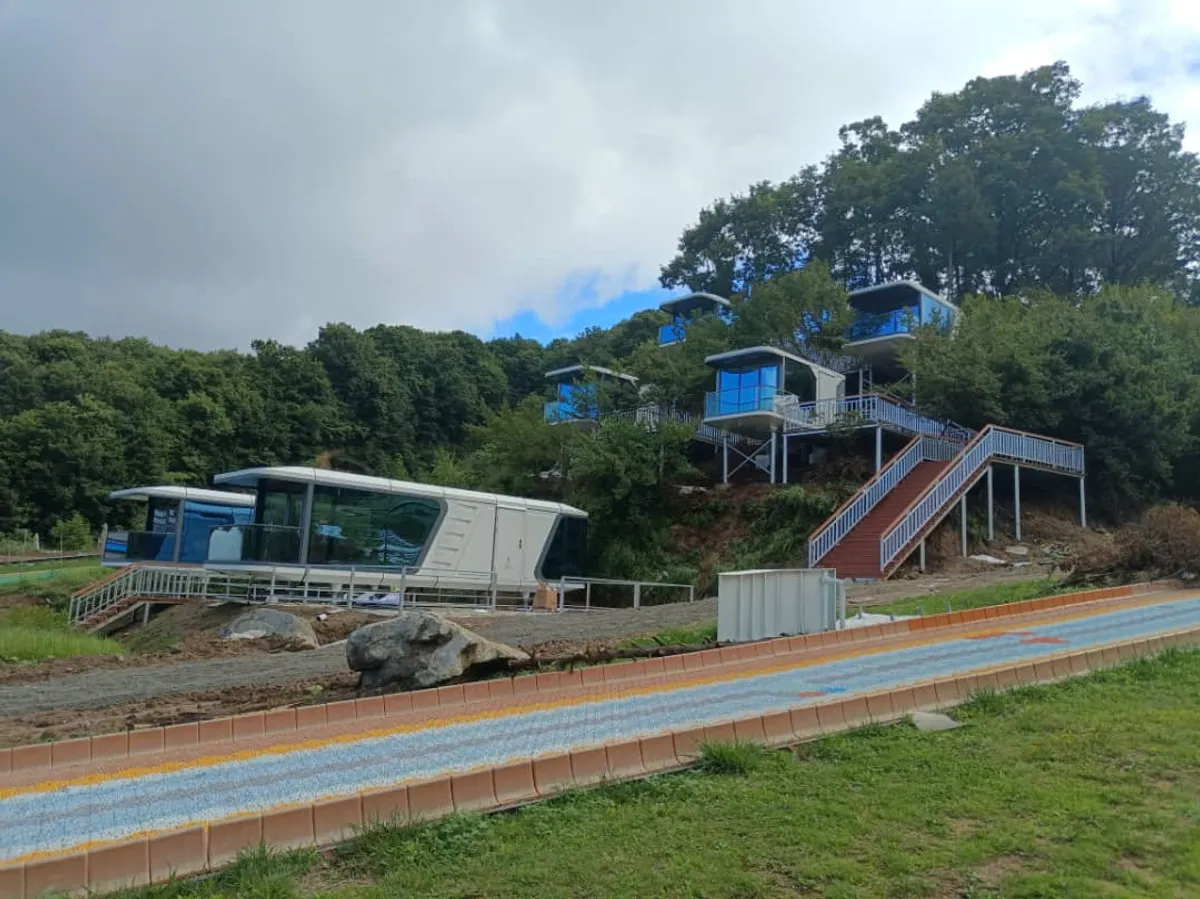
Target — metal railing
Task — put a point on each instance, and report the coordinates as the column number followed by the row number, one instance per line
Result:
column 899, row 321
column 740, row 400
column 671, row 333
column 868, row 409
column 254, row 543
column 650, row 416
column 855, row 509
column 991, row 443
column 136, row 582
column 636, row 587
column 369, row 588
column 139, row 546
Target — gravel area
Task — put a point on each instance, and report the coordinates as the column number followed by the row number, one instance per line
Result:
column 106, row 687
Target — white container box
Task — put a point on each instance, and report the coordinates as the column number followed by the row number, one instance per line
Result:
column 757, row 605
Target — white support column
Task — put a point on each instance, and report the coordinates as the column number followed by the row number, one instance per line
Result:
column 962, row 522
column 1082, row 505
column 921, row 555
column 773, row 454
column 1017, row 500
column 878, row 449
column 785, row 458
column 305, row 527
column 724, row 458
column 991, row 506
column 178, row 530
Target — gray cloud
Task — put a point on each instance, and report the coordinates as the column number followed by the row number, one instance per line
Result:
column 206, row 173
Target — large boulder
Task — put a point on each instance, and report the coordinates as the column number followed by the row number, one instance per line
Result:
column 419, row 649
column 263, row 623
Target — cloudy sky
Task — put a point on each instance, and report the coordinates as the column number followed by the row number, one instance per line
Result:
column 203, row 173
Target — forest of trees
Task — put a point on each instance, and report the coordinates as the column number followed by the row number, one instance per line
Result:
column 1069, row 234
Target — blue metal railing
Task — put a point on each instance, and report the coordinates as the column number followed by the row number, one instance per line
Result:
column 740, row 400
column 671, row 333
column 990, row 443
column 898, row 321
column 564, row 410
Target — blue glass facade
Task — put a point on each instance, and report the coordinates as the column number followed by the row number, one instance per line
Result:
column 750, row 388
column 671, row 333
column 927, row 312
column 157, row 542
column 571, row 403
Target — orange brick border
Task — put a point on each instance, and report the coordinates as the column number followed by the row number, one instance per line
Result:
column 130, row 744
column 208, row 847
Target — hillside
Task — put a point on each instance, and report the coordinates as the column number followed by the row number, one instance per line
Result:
column 1079, row 326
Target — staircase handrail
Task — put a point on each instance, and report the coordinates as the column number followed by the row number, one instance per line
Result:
column 993, row 442
column 848, row 515
column 831, row 531
column 92, row 598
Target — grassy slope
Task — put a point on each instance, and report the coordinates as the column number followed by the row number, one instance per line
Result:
column 31, row 633
column 1086, row 789
column 956, row 601
column 34, row 633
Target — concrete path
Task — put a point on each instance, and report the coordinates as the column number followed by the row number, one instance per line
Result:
column 47, row 813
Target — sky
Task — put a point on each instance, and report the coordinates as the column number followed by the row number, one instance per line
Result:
column 204, row 174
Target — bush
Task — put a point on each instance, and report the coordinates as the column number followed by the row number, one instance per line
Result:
column 72, row 533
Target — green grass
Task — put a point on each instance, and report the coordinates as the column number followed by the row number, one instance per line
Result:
column 692, row 635
column 1080, row 790
column 36, row 633
column 958, row 600
column 56, row 589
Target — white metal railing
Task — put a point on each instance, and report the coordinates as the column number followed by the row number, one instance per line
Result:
column 136, row 582
column 855, row 509
column 650, row 416
column 991, row 443
column 370, row 587
column 572, row 584
column 870, row 408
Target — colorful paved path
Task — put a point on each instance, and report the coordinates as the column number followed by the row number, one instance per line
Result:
column 45, row 813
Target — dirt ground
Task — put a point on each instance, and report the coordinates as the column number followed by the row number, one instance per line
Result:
column 180, row 669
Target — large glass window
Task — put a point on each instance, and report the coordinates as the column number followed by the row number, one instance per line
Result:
column 161, row 515
column 747, row 389
column 566, row 556
column 355, row 527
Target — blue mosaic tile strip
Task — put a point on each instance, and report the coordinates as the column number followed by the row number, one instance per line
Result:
column 117, row 808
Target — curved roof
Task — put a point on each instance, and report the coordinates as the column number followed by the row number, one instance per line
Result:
column 190, row 494
column 694, row 301
column 759, row 354
column 570, row 370
column 895, row 289
column 250, row 477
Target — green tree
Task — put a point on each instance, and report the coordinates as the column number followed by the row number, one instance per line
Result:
column 72, row 533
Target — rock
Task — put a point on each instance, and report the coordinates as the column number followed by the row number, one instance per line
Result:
column 419, row 649
column 990, row 560
column 1017, row 550
column 263, row 622
column 933, row 721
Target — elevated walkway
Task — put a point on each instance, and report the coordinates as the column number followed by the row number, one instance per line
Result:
column 888, row 519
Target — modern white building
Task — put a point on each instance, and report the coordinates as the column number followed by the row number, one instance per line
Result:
column 330, row 527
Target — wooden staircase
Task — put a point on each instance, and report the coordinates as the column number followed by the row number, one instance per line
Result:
column 857, row 554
